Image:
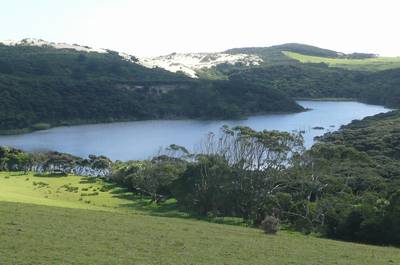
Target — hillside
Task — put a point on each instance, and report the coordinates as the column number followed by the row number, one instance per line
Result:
column 194, row 64
column 214, row 66
column 321, row 81
column 378, row 136
column 363, row 64
column 45, row 84
column 47, row 223
column 217, row 65
column 275, row 54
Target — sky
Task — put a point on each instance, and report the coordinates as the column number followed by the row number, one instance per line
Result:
column 158, row 27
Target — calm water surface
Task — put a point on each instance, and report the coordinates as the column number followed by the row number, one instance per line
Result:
column 142, row 139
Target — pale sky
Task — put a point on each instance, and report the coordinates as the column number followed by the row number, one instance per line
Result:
column 156, row 27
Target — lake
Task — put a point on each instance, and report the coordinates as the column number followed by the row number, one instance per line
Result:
column 142, row 139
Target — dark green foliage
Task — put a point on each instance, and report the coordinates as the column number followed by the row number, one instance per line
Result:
column 371, row 213
column 150, row 178
column 42, row 87
column 321, row 81
column 53, row 163
column 346, row 189
column 237, row 173
column 12, row 159
column 206, row 187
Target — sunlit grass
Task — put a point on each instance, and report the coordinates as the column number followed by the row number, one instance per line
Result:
column 47, row 220
column 77, row 192
column 369, row 64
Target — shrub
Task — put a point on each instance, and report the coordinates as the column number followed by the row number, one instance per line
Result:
column 41, row 126
column 69, row 188
column 89, row 194
column 40, row 184
column 270, row 225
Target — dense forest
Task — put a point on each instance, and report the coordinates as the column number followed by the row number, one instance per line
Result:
column 321, row 81
column 43, row 86
column 345, row 187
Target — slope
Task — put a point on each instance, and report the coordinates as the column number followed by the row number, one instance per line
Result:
column 366, row 64
column 61, row 232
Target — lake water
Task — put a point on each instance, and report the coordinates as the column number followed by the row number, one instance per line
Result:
column 142, row 139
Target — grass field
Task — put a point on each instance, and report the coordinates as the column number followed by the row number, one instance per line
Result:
column 78, row 193
column 48, row 220
column 370, row 64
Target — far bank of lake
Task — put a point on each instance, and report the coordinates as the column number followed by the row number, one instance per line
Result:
column 142, row 139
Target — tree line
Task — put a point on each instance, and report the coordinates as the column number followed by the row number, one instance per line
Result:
column 334, row 189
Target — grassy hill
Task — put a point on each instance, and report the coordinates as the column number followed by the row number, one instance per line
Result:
column 274, row 55
column 304, row 71
column 367, row 64
column 44, row 221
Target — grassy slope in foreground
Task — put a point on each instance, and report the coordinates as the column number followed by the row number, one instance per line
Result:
column 370, row 64
column 45, row 234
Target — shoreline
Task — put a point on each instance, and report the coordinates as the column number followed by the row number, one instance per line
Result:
column 242, row 117
column 82, row 123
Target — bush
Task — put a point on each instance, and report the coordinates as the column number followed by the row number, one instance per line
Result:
column 41, row 126
column 270, row 225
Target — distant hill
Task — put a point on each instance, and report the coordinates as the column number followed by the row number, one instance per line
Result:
column 355, row 61
column 215, row 65
column 320, row 81
column 31, row 57
column 219, row 65
column 45, row 84
column 275, row 55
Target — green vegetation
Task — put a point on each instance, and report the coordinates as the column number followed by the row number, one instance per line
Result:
column 43, row 86
column 274, row 55
column 375, row 139
column 303, row 71
column 53, row 163
column 345, row 187
column 321, row 81
column 78, row 193
column 365, row 64
column 250, row 175
column 334, row 189
column 110, row 230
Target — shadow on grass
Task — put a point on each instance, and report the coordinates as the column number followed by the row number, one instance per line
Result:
column 118, row 191
column 15, row 174
column 50, row 175
column 88, row 180
column 170, row 208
